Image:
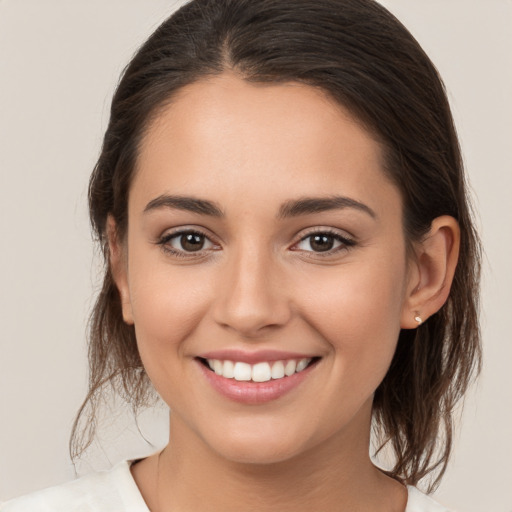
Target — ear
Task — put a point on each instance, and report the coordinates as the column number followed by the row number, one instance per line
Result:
column 431, row 273
column 118, row 267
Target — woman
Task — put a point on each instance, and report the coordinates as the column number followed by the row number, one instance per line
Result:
column 291, row 263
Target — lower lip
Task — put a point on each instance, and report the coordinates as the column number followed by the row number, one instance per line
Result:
column 253, row 393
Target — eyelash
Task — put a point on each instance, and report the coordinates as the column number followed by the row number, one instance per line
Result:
column 346, row 243
column 164, row 243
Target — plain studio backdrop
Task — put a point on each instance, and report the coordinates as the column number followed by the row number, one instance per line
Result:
column 59, row 63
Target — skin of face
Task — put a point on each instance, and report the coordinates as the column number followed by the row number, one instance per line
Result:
column 257, row 283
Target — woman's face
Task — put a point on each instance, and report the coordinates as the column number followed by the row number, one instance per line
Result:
column 262, row 230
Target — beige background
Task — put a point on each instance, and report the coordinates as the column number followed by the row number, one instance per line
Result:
column 59, row 62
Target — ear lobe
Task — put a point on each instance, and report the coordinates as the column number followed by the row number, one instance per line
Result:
column 118, row 267
column 434, row 267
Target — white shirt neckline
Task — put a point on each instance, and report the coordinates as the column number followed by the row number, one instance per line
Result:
column 115, row 490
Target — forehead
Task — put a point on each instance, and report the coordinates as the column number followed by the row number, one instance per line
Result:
column 258, row 140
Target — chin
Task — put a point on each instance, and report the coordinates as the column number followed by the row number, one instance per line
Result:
column 263, row 444
column 258, row 453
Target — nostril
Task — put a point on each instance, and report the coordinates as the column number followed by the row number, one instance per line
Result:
column 252, row 303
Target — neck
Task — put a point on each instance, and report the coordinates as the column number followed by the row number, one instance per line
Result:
column 336, row 475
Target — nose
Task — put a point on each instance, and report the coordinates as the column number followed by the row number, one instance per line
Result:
column 251, row 299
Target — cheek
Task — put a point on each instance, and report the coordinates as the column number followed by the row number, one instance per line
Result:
column 357, row 310
column 167, row 304
column 357, row 293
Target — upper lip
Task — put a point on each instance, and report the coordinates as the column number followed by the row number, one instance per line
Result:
column 253, row 357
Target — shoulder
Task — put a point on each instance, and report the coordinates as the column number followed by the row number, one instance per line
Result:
column 419, row 502
column 103, row 491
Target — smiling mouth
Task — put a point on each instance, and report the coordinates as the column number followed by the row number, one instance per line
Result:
column 259, row 372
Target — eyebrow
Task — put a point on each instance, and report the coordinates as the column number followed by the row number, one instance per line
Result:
column 292, row 208
column 190, row 204
column 308, row 205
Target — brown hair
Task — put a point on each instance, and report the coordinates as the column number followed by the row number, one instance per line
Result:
column 364, row 58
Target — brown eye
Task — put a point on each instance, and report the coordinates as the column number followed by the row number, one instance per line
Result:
column 321, row 242
column 186, row 242
column 324, row 242
column 192, row 242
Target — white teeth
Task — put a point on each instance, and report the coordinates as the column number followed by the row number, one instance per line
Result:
column 301, row 365
column 217, row 366
column 228, row 370
column 290, row 367
column 242, row 371
column 277, row 370
column 259, row 372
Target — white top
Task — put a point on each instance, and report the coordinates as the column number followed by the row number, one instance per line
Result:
column 116, row 491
